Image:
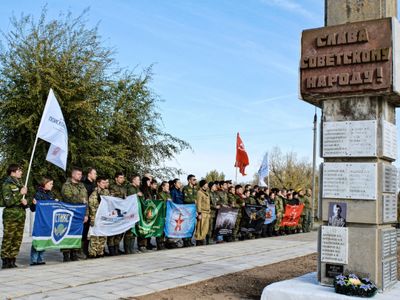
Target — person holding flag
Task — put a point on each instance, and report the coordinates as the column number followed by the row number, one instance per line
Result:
column 13, row 194
column 74, row 191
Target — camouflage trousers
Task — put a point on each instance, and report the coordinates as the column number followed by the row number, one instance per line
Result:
column 114, row 240
column 236, row 230
column 12, row 237
column 278, row 221
column 129, row 242
column 307, row 220
column 211, row 226
column 96, row 245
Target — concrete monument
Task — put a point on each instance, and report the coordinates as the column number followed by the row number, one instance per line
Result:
column 351, row 70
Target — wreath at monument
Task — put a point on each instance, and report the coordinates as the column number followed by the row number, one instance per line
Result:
column 352, row 285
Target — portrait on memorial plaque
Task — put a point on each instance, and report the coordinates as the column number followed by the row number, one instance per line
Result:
column 337, row 214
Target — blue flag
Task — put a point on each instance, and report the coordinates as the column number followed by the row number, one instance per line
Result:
column 180, row 220
column 264, row 170
column 270, row 215
column 57, row 225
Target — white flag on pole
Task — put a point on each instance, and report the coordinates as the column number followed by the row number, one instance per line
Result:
column 52, row 129
column 57, row 156
column 264, row 170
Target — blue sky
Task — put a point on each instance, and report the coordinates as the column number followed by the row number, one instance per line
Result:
column 220, row 66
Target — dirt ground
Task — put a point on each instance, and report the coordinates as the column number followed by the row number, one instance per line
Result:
column 247, row 284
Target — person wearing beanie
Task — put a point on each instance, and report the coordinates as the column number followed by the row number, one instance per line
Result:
column 203, row 213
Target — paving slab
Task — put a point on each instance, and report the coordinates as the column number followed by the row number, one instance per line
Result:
column 140, row 274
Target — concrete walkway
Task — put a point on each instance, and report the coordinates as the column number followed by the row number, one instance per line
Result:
column 139, row 274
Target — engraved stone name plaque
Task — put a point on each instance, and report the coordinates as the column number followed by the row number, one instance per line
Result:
column 334, row 244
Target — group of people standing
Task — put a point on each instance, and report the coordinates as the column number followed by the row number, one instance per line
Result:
column 208, row 197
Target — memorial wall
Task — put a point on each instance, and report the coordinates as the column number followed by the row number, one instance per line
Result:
column 351, row 72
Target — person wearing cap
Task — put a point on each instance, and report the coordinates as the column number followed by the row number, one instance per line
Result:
column 215, row 204
column 203, row 213
column 279, row 210
column 239, row 203
column 307, row 210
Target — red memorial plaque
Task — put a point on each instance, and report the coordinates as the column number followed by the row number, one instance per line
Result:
column 345, row 60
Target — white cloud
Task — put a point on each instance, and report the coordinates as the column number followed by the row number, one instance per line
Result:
column 291, row 6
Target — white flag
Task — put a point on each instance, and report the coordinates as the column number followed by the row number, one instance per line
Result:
column 52, row 129
column 57, row 156
column 115, row 215
column 264, row 170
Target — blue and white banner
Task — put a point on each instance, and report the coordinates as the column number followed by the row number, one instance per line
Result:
column 270, row 215
column 58, row 225
column 180, row 221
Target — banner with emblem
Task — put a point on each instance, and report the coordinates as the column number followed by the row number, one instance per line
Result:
column 292, row 215
column 180, row 220
column 58, row 225
column 252, row 219
column 226, row 220
column 270, row 215
column 151, row 218
column 115, row 215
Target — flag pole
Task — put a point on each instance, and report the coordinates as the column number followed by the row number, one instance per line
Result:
column 30, row 163
column 236, row 175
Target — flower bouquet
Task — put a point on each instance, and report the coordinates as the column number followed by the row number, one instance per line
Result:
column 352, row 285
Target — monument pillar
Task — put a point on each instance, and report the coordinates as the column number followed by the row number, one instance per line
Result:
column 350, row 69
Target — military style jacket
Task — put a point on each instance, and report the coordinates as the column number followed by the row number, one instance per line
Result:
column 214, row 200
column 75, row 193
column 118, row 190
column 94, row 202
column 223, row 196
column 189, row 194
column 279, row 205
column 164, row 196
column 12, row 197
column 231, row 200
column 203, row 202
column 132, row 190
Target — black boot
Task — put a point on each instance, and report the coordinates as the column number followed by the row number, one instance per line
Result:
column 12, row 263
column 6, row 263
column 116, row 250
column 111, row 250
column 74, row 255
column 66, row 257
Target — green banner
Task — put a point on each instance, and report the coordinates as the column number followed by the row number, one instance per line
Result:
column 151, row 218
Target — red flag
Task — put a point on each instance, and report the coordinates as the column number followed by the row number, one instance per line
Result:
column 242, row 160
column 292, row 215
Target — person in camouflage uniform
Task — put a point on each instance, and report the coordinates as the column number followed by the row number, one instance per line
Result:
column 14, row 214
column 97, row 243
column 117, row 189
column 129, row 237
column 223, row 193
column 163, row 194
column 189, row 197
column 231, row 197
column 239, row 203
column 215, row 204
column 307, row 210
column 74, row 191
column 280, row 211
